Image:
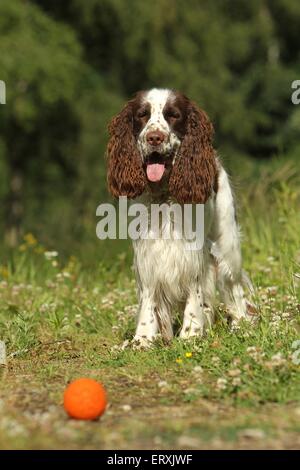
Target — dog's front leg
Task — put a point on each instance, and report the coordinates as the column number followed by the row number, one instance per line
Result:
column 194, row 317
column 147, row 323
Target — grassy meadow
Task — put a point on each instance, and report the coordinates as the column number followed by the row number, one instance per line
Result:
column 239, row 387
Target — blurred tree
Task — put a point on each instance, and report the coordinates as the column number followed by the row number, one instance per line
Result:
column 69, row 65
column 41, row 64
column 46, row 78
column 233, row 57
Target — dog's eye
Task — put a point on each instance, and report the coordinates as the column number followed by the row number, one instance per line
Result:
column 173, row 113
column 142, row 113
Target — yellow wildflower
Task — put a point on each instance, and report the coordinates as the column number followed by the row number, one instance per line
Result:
column 4, row 272
column 30, row 239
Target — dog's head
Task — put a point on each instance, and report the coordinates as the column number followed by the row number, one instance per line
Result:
column 160, row 139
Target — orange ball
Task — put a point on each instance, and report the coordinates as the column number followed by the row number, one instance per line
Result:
column 85, row 399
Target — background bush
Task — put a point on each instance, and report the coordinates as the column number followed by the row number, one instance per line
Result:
column 69, row 66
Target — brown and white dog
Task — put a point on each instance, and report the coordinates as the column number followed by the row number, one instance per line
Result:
column 160, row 151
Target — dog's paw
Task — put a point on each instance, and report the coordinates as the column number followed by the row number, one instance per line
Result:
column 125, row 344
column 191, row 332
column 141, row 342
column 250, row 316
column 252, row 310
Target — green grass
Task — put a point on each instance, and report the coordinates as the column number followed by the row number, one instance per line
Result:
column 63, row 319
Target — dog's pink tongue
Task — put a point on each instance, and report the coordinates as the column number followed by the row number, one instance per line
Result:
column 155, row 171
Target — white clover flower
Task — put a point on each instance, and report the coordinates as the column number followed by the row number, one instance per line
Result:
column 235, row 326
column 296, row 357
column 162, row 384
column 234, row 372
column 276, row 318
column 50, row 254
column 189, row 391
column 197, row 370
column 276, row 361
column 221, row 384
column 272, row 290
column 126, row 408
column 236, row 382
column 215, row 359
column 296, row 353
column 44, row 307
column 66, row 274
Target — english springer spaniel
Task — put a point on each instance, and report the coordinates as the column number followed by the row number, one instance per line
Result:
column 160, row 151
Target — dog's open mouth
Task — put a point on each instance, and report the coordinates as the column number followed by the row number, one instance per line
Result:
column 155, row 166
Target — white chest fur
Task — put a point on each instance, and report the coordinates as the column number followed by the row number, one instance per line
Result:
column 168, row 267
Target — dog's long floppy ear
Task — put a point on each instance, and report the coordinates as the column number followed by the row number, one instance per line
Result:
column 125, row 175
column 195, row 169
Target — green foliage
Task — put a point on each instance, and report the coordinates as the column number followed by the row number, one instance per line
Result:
column 53, row 126
column 70, row 65
column 234, row 59
column 41, row 65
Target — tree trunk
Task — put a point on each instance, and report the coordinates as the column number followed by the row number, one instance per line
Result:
column 14, row 208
